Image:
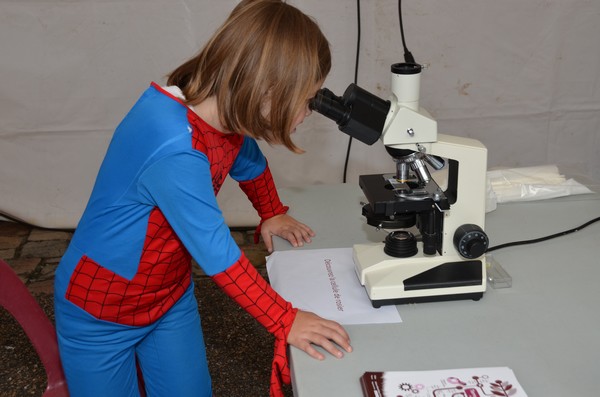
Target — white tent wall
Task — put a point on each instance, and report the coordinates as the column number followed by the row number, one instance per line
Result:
column 521, row 76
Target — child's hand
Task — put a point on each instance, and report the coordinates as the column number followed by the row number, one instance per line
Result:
column 308, row 329
column 285, row 227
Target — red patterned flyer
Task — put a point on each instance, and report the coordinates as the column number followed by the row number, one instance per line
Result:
column 471, row 382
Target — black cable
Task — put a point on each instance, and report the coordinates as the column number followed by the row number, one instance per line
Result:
column 358, row 27
column 408, row 56
column 538, row 240
column 347, row 159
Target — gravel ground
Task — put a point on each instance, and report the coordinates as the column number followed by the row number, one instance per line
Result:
column 239, row 349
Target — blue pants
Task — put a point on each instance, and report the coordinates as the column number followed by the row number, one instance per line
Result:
column 99, row 357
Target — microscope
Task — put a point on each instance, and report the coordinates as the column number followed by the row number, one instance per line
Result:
column 435, row 247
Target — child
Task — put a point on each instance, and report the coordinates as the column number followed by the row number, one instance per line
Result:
column 123, row 288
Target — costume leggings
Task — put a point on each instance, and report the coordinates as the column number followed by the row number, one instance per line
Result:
column 99, row 357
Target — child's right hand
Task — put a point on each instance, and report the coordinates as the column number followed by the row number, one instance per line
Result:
column 308, row 329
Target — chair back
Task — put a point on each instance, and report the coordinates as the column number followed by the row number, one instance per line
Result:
column 18, row 301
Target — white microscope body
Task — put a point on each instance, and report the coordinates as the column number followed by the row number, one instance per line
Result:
column 437, row 250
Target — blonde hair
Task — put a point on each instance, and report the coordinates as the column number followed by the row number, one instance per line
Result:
column 266, row 50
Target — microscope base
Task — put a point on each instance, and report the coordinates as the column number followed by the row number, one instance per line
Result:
column 426, row 299
column 390, row 280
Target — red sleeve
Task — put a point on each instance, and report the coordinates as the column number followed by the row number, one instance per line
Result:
column 242, row 282
column 264, row 198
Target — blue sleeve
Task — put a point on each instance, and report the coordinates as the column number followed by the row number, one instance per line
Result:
column 181, row 186
column 249, row 163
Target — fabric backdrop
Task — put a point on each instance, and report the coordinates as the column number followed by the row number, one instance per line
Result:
column 521, row 76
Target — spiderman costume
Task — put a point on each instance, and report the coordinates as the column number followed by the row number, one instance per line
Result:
column 123, row 288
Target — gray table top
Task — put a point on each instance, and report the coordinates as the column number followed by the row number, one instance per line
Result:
column 545, row 327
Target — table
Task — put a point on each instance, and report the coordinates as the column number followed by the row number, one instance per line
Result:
column 546, row 327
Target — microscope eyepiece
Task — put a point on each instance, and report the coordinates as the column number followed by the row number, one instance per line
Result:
column 357, row 113
column 330, row 106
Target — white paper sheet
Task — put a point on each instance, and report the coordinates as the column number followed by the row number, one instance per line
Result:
column 324, row 282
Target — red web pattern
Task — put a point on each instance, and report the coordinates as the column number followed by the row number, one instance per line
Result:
column 244, row 284
column 262, row 193
column 241, row 281
column 163, row 275
column 264, row 198
column 221, row 149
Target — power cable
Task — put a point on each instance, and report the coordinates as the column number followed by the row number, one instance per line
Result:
column 358, row 28
column 538, row 240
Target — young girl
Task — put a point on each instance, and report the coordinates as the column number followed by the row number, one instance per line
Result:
column 123, row 288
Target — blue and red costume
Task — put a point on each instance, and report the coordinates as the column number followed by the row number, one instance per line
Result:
column 124, row 288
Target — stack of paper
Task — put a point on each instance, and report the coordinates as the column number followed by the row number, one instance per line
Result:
column 531, row 183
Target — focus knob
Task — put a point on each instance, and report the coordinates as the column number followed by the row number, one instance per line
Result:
column 470, row 241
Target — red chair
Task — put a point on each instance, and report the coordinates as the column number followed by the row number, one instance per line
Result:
column 18, row 301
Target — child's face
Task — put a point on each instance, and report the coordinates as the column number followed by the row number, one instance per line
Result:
column 305, row 112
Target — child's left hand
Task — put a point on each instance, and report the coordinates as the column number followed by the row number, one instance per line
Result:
column 286, row 227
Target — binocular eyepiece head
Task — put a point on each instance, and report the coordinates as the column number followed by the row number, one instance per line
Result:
column 357, row 113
